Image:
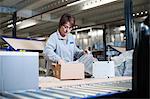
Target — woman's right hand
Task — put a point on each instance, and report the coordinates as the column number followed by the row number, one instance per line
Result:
column 86, row 51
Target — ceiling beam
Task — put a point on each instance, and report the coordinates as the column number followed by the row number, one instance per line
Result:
column 24, row 3
column 53, row 5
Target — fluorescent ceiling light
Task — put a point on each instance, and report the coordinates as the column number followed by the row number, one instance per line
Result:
column 82, row 29
column 95, row 3
column 17, row 23
column 40, row 38
column 75, row 3
column 27, row 23
column 122, row 28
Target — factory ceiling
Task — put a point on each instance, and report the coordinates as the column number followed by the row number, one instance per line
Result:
column 40, row 17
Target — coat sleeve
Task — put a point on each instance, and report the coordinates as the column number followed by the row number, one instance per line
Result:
column 50, row 48
column 77, row 52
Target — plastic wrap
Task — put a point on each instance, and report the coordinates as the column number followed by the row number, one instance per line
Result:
column 123, row 63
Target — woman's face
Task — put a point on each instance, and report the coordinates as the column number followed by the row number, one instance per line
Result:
column 65, row 29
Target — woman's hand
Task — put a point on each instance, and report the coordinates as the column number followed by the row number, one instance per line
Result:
column 86, row 51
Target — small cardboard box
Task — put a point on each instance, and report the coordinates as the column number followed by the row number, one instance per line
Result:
column 69, row 71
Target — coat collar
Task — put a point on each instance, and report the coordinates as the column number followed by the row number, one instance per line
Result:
column 60, row 37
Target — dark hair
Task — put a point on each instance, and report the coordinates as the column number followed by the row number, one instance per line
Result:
column 67, row 18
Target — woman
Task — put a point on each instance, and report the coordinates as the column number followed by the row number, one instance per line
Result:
column 61, row 46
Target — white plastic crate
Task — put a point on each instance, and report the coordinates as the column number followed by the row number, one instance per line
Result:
column 103, row 69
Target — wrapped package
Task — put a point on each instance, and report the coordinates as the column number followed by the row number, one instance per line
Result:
column 123, row 63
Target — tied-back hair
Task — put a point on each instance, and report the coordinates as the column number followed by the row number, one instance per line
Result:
column 67, row 18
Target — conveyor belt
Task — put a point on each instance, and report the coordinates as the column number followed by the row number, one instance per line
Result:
column 71, row 92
